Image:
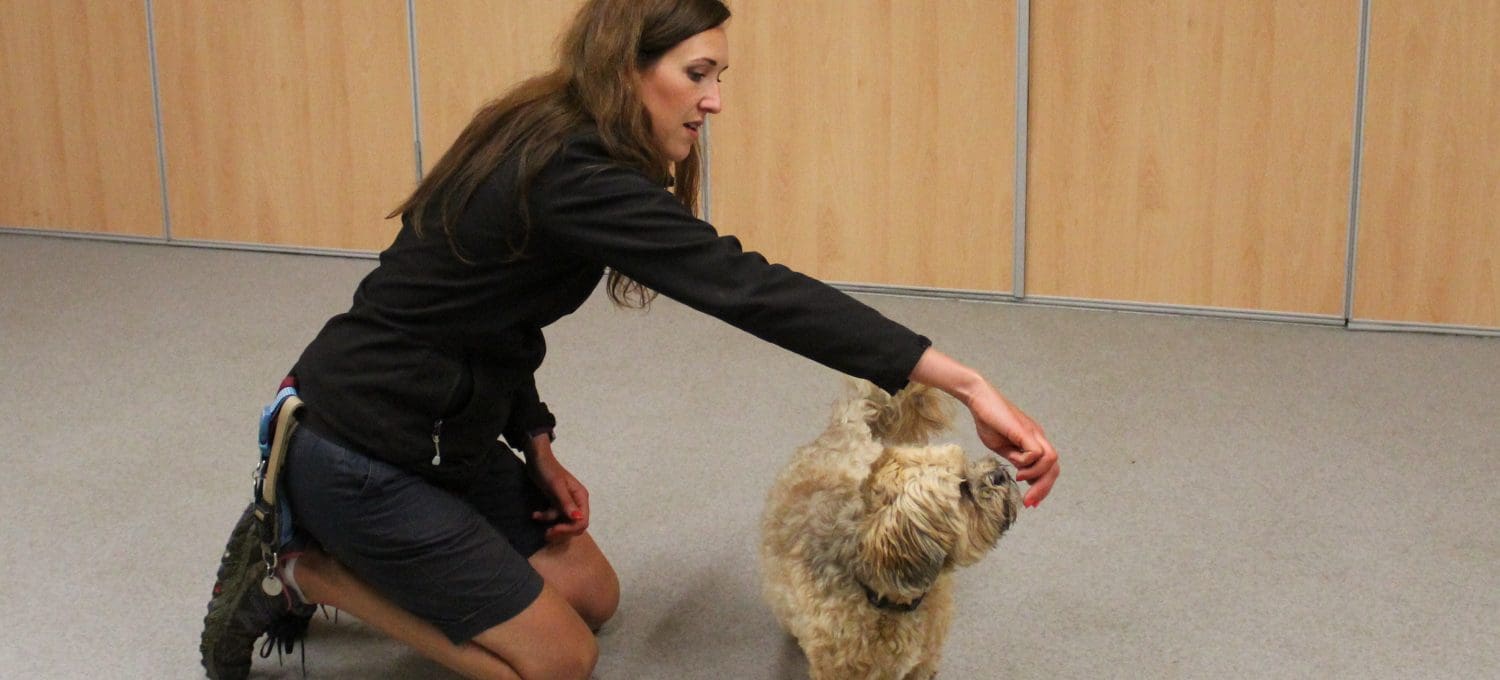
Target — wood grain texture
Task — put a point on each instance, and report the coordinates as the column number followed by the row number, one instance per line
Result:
column 1429, row 225
column 1192, row 153
column 472, row 51
column 286, row 122
column 871, row 142
column 77, row 120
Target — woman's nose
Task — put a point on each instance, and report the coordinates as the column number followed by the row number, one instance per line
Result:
column 712, row 103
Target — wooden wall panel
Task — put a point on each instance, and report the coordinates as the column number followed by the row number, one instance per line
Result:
column 77, row 120
column 1192, row 153
column 471, row 51
column 286, row 122
column 1429, row 225
column 871, row 141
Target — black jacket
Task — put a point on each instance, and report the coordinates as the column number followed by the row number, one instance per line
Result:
column 438, row 354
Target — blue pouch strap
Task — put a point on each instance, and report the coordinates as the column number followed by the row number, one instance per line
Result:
column 282, row 517
column 268, row 416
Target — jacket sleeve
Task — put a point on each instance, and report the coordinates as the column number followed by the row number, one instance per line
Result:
column 590, row 207
column 529, row 417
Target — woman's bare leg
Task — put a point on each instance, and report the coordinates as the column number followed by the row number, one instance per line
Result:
column 546, row 640
column 578, row 571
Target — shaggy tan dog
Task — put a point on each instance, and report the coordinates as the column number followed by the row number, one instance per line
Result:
column 863, row 529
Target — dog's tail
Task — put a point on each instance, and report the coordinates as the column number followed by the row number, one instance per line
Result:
column 912, row 416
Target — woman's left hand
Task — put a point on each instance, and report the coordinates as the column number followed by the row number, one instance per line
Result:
column 570, row 500
column 1002, row 427
column 1008, row 431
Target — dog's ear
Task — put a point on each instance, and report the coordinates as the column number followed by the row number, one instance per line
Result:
column 909, row 528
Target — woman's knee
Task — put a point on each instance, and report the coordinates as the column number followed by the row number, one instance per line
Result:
column 603, row 601
column 597, row 587
column 583, row 576
column 595, row 596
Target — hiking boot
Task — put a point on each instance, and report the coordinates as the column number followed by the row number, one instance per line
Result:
column 240, row 612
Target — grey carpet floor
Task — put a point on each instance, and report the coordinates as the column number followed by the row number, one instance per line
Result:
column 1238, row 499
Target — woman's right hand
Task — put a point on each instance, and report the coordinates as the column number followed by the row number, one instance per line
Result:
column 569, row 514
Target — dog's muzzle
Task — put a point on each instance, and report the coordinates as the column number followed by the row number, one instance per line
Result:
column 999, row 478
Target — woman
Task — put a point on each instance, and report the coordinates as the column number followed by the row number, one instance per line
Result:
column 416, row 519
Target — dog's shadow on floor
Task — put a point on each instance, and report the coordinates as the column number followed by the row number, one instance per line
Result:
column 789, row 662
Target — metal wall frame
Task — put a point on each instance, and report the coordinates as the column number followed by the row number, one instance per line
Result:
column 1018, row 293
column 1356, row 164
column 416, row 85
column 161, row 144
column 1022, row 168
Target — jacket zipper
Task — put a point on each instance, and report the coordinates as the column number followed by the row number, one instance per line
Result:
column 437, row 442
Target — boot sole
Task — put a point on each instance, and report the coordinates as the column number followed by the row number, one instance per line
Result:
column 243, row 547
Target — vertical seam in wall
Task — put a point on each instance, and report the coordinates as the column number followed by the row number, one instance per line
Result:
column 1357, row 162
column 1023, row 95
column 161, row 144
column 705, row 174
column 416, row 91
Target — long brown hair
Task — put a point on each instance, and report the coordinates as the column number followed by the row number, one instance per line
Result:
column 608, row 43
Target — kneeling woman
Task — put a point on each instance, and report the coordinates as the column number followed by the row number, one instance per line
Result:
column 411, row 514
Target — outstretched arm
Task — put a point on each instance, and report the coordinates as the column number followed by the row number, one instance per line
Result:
column 1002, row 426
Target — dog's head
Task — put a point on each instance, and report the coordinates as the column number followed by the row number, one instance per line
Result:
column 928, row 510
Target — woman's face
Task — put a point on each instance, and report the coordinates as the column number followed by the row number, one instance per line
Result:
column 682, row 88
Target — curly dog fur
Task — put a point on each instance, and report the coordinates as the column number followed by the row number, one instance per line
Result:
column 864, row 527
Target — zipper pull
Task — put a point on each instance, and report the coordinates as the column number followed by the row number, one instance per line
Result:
column 437, row 448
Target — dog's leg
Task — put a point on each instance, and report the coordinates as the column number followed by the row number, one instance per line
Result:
column 830, row 665
column 838, row 672
column 822, row 665
column 941, row 602
column 821, row 672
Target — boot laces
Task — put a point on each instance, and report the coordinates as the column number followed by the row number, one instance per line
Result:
column 285, row 632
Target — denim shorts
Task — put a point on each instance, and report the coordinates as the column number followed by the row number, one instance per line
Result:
column 457, row 561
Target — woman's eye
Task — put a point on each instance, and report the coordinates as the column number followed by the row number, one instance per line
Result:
column 696, row 76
